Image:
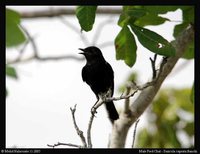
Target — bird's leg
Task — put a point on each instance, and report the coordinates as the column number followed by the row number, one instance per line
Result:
column 101, row 97
column 106, row 95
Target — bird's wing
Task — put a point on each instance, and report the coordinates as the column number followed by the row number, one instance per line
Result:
column 110, row 76
column 84, row 74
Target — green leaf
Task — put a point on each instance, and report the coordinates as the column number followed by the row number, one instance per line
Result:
column 150, row 19
column 189, row 128
column 183, row 99
column 86, row 16
column 160, row 9
column 10, row 71
column 192, row 94
column 153, row 41
column 14, row 35
column 130, row 13
column 125, row 46
column 179, row 28
column 189, row 53
column 188, row 15
column 185, row 7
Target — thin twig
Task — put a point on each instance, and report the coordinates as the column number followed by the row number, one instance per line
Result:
column 47, row 58
column 106, row 44
column 21, row 52
column 100, row 28
column 32, row 41
column 153, row 65
column 62, row 57
column 79, row 132
column 66, row 144
column 133, row 86
column 138, row 88
column 134, row 133
column 69, row 24
column 163, row 62
column 127, row 101
column 75, row 29
column 36, row 55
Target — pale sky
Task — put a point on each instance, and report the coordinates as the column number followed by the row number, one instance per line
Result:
column 38, row 105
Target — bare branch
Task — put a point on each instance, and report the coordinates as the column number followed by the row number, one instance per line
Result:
column 134, row 86
column 21, row 52
column 69, row 24
column 106, row 44
column 36, row 55
column 47, row 58
column 66, row 144
column 62, row 57
column 153, row 65
column 134, row 133
column 163, row 62
column 32, row 41
column 89, row 140
column 62, row 11
column 100, row 28
column 75, row 29
column 79, row 132
column 127, row 101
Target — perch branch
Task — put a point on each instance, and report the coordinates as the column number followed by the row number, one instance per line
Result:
column 89, row 131
column 79, row 132
column 131, row 85
column 102, row 101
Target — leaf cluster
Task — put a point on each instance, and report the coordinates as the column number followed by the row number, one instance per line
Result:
column 14, row 37
column 132, row 21
column 167, row 117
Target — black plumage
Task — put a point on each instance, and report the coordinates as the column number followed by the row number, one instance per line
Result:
column 99, row 75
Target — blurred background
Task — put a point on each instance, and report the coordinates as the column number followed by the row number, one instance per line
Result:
column 38, row 102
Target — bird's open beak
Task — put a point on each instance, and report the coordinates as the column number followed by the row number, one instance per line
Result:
column 82, row 52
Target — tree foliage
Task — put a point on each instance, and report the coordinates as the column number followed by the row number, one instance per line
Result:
column 170, row 115
column 14, row 37
column 137, row 17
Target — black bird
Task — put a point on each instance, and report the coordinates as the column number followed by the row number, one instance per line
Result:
column 99, row 75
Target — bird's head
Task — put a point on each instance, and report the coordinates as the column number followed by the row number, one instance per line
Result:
column 92, row 53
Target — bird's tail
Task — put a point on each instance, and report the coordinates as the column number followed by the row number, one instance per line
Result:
column 112, row 112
